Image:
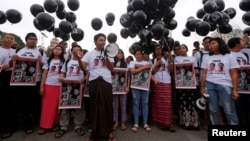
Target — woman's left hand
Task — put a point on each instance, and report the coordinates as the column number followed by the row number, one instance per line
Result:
column 235, row 95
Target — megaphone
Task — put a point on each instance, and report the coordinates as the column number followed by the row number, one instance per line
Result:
column 201, row 102
column 111, row 50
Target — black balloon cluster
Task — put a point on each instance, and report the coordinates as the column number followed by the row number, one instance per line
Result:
column 212, row 16
column 12, row 15
column 45, row 21
column 244, row 5
column 151, row 20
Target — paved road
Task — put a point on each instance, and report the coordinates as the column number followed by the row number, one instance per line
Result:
column 126, row 135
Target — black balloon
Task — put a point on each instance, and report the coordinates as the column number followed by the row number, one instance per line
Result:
column 191, row 24
column 65, row 27
column 172, row 24
column 244, row 5
column 157, row 31
column 112, row 38
column 247, row 30
column 61, row 14
column 202, row 28
column 225, row 19
column 37, row 26
column 140, row 17
column 126, row 20
column 50, row 29
column 73, row 4
column 200, row 13
column 50, row 6
column 57, row 32
column 124, row 33
column 64, row 37
column 246, row 18
column 220, row 4
column 210, row 7
column 77, row 34
column 70, row 16
column 225, row 29
column 2, row 17
column 35, row 9
column 145, row 35
column 134, row 47
column 216, row 17
column 186, row 32
column 96, row 23
column 137, row 4
column 45, row 20
column 60, row 5
column 13, row 16
column 110, row 18
column 231, row 12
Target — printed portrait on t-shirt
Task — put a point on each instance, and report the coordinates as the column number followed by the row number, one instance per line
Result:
column 53, row 69
column 211, row 67
column 163, row 67
column 71, row 70
column 221, row 67
column 99, row 61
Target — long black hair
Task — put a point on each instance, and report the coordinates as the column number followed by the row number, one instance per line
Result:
column 223, row 48
column 123, row 64
column 52, row 55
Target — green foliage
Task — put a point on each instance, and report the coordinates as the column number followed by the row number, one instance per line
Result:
column 18, row 39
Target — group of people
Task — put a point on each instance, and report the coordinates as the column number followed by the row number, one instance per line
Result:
column 216, row 65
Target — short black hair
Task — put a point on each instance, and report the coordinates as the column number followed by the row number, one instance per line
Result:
column 31, row 34
column 76, row 45
column 96, row 37
column 233, row 42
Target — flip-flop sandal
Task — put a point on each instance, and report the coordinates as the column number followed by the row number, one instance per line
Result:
column 6, row 135
column 29, row 131
column 135, row 128
column 111, row 138
column 60, row 133
column 80, row 132
column 42, row 131
column 147, row 128
column 123, row 127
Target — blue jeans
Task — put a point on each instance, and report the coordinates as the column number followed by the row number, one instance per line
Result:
column 221, row 96
column 140, row 96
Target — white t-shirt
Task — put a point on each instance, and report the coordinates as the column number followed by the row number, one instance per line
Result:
column 73, row 70
column 247, row 51
column 54, row 70
column 184, row 59
column 33, row 53
column 240, row 58
column 163, row 75
column 10, row 53
column 133, row 63
column 97, row 66
column 4, row 57
column 197, row 56
column 218, row 68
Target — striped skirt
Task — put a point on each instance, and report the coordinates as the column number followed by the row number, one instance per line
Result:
column 162, row 113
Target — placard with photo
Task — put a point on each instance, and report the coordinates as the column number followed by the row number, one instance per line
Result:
column 71, row 95
column 24, row 71
column 119, row 80
column 184, row 75
column 244, row 79
column 142, row 79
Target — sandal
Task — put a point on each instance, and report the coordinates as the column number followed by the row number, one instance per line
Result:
column 111, row 138
column 42, row 131
column 60, row 133
column 135, row 128
column 147, row 128
column 29, row 131
column 115, row 126
column 123, row 127
column 55, row 128
column 80, row 131
column 172, row 128
column 6, row 135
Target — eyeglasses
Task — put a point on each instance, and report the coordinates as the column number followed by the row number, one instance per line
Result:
column 35, row 39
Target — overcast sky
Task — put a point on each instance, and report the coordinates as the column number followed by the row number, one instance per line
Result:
column 99, row 8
